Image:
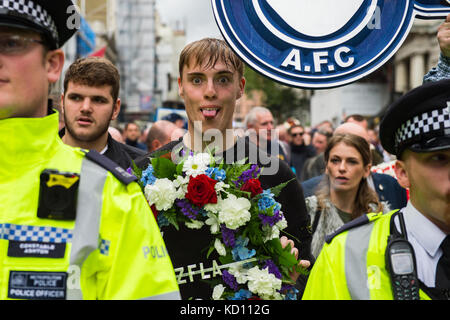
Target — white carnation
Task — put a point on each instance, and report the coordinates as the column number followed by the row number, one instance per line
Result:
column 221, row 186
column 220, row 247
column 270, row 233
column 235, row 212
column 239, row 272
column 213, row 222
column 181, row 183
column 263, row 283
column 217, row 292
column 214, row 207
column 282, row 224
column 162, row 194
column 197, row 164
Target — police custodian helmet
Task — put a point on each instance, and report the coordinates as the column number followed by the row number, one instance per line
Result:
column 419, row 120
column 56, row 20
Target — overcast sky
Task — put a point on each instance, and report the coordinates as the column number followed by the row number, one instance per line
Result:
column 196, row 15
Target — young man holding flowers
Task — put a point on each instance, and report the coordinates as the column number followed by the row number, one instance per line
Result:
column 210, row 83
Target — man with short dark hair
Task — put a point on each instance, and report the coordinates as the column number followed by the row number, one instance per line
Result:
column 131, row 133
column 90, row 102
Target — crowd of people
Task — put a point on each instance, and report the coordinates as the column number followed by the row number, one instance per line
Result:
column 344, row 220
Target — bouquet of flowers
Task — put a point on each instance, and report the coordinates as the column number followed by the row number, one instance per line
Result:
column 244, row 219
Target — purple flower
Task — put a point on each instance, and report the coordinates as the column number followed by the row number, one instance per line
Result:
column 228, row 236
column 251, row 173
column 271, row 220
column 187, row 208
column 272, row 268
column 229, row 280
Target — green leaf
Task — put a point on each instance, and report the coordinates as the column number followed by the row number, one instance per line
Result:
column 163, row 168
column 226, row 259
column 277, row 190
column 210, row 250
column 221, row 164
column 172, row 218
column 179, row 169
column 285, row 257
column 138, row 173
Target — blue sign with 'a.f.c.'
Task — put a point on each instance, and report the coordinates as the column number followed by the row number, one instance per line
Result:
column 320, row 43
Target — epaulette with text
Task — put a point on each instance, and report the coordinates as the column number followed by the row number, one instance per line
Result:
column 106, row 163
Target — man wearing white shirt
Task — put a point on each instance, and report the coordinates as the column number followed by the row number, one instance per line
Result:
column 359, row 260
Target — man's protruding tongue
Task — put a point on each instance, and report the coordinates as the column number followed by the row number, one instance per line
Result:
column 209, row 113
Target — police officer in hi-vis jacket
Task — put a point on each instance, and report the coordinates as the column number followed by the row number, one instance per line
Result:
column 73, row 224
column 404, row 254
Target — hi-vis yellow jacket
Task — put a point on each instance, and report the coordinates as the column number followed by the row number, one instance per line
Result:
column 113, row 250
column 352, row 264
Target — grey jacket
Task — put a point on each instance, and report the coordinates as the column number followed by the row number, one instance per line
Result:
column 329, row 221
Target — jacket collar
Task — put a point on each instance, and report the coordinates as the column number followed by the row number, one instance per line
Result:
column 27, row 140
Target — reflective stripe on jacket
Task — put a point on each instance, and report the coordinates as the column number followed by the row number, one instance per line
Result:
column 352, row 265
column 113, row 250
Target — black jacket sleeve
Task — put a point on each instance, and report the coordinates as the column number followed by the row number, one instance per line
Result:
column 294, row 208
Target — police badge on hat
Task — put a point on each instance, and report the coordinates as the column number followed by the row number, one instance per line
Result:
column 319, row 43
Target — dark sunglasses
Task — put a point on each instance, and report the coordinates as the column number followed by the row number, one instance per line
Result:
column 297, row 134
column 15, row 44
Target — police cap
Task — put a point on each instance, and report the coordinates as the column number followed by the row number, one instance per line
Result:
column 419, row 120
column 56, row 20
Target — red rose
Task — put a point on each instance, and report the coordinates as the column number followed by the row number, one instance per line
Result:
column 253, row 186
column 201, row 190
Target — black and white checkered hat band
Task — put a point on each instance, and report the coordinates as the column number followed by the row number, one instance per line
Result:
column 33, row 12
column 426, row 123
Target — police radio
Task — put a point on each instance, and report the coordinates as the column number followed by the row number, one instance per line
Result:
column 401, row 264
column 58, row 195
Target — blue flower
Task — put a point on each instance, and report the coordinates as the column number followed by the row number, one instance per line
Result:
column 162, row 220
column 147, row 176
column 290, row 291
column 240, row 252
column 267, row 201
column 242, row 295
column 216, row 173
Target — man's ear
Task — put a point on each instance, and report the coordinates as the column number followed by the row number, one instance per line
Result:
column 116, row 109
column 180, row 88
column 54, row 62
column 402, row 174
column 241, row 87
column 156, row 144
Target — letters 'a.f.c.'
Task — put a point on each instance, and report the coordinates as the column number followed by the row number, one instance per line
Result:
column 321, row 43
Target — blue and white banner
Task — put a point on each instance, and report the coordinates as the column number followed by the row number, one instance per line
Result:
column 320, row 43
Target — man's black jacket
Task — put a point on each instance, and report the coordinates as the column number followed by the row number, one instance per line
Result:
column 120, row 153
